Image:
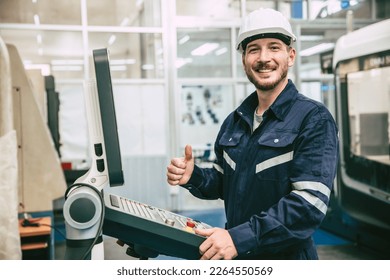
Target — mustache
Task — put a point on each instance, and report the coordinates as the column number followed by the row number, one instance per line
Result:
column 263, row 66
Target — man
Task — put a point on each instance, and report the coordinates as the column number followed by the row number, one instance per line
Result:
column 276, row 156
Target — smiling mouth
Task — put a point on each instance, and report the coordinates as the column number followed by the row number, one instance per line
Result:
column 264, row 70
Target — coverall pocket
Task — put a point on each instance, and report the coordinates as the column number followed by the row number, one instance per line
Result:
column 276, row 151
column 231, row 151
column 277, row 139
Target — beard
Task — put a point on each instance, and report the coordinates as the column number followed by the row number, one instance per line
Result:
column 262, row 84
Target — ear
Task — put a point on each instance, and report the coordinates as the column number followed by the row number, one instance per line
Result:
column 243, row 59
column 291, row 56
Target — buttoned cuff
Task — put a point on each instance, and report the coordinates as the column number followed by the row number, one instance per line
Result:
column 195, row 182
column 244, row 239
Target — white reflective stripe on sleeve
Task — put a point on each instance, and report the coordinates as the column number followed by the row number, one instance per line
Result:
column 313, row 200
column 274, row 161
column 311, row 185
column 229, row 161
column 218, row 168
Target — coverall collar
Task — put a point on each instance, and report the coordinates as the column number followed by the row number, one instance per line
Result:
column 279, row 108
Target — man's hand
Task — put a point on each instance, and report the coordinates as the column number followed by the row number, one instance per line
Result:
column 218, row 245
column 180, row 169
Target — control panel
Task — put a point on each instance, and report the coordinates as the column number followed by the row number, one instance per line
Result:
column 152, row 228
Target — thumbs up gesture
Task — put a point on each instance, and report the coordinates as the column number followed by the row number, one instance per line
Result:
column 180, row 169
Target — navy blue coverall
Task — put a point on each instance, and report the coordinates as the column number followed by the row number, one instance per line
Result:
column 275, row 181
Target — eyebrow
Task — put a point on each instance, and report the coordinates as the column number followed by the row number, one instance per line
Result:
column 251, row 44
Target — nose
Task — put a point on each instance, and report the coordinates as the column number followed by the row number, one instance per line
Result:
column 263, row 56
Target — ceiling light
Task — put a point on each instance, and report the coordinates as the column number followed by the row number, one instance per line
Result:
column 147, row 67
column 311, row 38
column 39, row 38
column 111, row 40
column 221, row 51
column 118, row 68
column 122, row 61
column 36, row 19
column 125, row 21
column 317, row 49
column 204, row 49
column 67, row 62
column 180, row 62
column 184, row 39
column 67, row 68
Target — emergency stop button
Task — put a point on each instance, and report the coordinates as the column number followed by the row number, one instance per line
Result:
column 190, row 223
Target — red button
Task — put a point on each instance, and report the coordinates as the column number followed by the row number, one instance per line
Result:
column 190, row 224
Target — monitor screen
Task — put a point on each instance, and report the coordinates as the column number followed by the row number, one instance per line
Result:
column 108, row 116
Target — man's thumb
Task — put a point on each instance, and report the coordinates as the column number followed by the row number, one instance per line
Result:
column 188, row 153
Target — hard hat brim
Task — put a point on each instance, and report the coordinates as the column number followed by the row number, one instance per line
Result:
column 253, row 33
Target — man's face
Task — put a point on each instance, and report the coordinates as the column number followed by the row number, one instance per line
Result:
column 266, row 62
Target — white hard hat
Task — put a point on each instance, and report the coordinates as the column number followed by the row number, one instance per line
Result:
column 264, row 23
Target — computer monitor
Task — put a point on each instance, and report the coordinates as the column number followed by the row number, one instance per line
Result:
column 108, row 117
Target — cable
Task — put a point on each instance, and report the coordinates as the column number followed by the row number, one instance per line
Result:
column 56, row 229
column 100, row 228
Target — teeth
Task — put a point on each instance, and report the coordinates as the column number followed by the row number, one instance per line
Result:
column 264, row 70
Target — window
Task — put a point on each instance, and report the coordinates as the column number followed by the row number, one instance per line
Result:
column 124, row 13
column 205, row 53
column 368, row 106
column 41, row 12
column 132, row 55
column 216, row 9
